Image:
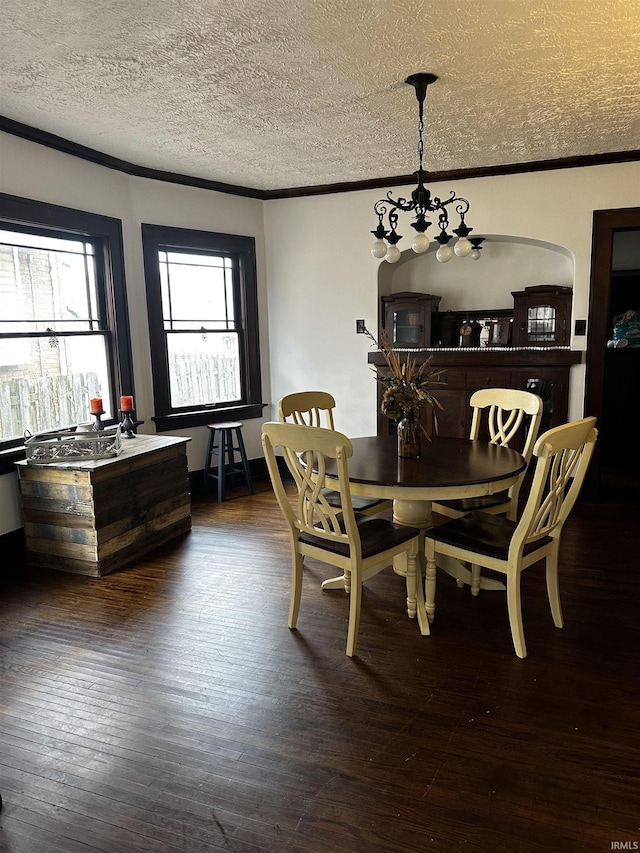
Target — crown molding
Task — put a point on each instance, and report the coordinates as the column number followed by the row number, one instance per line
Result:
column 66, row 146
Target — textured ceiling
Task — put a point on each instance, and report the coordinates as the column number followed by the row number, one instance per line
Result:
column 273, row 94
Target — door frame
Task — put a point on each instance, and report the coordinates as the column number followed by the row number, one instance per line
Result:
column 605, row 224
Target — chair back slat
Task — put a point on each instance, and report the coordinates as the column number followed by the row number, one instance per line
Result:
column 313, row 510
column 503, row 424
column 308, row 408
column 306, row 451
column 505, row 413
column 562, row 458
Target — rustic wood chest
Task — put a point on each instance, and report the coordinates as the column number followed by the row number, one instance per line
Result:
column 96, row 516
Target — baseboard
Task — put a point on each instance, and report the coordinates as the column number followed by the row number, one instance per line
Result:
column 257, row 467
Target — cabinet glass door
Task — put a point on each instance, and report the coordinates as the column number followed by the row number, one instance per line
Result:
column 541, row 323
column 406, row 327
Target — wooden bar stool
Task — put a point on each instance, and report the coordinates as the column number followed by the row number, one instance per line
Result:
column 221, row 445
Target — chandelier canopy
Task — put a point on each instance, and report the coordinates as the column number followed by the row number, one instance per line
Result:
column 422, row 203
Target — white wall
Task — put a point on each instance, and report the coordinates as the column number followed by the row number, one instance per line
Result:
column 322, row 277
column 36, row 172
column 314, row 253
column 468, row 285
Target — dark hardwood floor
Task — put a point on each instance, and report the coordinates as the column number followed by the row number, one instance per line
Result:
column 167, row 707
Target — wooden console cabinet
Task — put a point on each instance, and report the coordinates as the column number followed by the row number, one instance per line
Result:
column 543, row 371
column 96, row 516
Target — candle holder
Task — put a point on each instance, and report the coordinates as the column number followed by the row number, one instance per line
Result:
column 98, row 425
column 127, row 424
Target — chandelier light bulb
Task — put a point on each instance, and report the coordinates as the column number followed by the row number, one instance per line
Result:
column 462, row 247
column 379, row 249
column 420, row 243
column 476, row 243
column 444, row 254
column 393, row 254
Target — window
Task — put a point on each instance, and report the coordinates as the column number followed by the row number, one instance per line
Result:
column 203, row 322
column 62, row 301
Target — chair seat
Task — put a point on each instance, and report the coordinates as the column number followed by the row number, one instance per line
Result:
column 483, row 533
column 471, row 504
column 359, row 503
column 376, row 535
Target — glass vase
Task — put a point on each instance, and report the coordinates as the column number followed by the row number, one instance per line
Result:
column 409, row 436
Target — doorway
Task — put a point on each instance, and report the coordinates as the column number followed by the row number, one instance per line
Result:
column 611, row 380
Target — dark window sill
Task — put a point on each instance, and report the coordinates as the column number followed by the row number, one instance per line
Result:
column 184, row 420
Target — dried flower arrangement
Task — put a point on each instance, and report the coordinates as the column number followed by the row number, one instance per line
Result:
column 407, row 385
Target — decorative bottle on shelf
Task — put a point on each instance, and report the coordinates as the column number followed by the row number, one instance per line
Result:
column 409, row 436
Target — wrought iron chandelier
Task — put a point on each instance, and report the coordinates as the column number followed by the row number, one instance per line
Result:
column 422, row 203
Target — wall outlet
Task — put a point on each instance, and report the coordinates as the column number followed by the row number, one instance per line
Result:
column 360, row 327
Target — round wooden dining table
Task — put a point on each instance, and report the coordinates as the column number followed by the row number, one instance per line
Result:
column 447, row 468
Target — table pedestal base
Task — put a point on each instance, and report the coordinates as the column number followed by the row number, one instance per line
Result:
column 418, row 514
column 414, row 514
column 464, row 469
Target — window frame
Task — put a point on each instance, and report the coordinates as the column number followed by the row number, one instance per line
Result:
column 156, row 238
column 31, row 216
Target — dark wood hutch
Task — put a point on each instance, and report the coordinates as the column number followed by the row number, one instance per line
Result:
column 544, row 372
column 543, row 369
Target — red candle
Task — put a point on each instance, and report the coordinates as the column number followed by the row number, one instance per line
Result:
column 126, row 404
column 96, row 406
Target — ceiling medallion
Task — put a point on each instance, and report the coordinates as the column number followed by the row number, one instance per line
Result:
column 422, row 203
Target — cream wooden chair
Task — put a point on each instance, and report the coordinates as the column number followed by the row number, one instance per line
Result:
column 505, row 410
column 315, row 408
column 308, row 408
column 361, row 546
column 562, row 458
